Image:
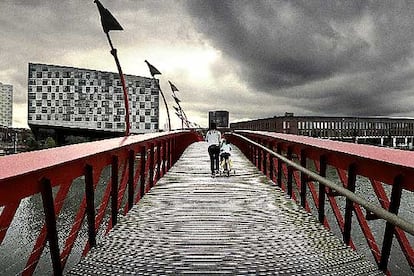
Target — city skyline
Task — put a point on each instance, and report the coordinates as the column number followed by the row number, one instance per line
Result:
column 255, row 59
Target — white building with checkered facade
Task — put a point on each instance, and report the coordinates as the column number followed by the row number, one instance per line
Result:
column 75, row 98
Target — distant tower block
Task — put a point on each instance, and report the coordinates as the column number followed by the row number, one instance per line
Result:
column 221, row 118
column 6, row 105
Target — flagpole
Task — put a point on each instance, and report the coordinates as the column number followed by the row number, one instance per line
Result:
column 165, row 102
column 110, row 23
column 186, row 119
column 121, row 75
column 154, row 71
column 183, row 115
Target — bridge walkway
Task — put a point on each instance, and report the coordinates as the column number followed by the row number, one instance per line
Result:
column 191, row 223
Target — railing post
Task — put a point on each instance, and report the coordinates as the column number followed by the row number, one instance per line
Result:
column 290, row 173
column 158, row 173
column 114, row 190
column 251, row 153
column 164, row 156
column 271, row 165
column 90, row 205
column 389, row 228
column 168, row 158
column 265, row 154
column 254, row 157
column 303, row 179
column 259, row 158
column 248, row 150
column 279, row 167
column 52, row 236
column 131, row 170
column 142, row 173
column 172, row 152
column 322, row 172
column 349, row 205
column 151, row 166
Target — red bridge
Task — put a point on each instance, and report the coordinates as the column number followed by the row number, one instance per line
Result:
column 188, row 222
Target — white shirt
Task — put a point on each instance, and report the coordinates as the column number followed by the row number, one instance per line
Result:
column 225, row 148
column 213, row 137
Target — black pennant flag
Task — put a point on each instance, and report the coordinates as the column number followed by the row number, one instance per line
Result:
column 153, row 70
column 109, row 22
column 173, row 87
column 177, row 100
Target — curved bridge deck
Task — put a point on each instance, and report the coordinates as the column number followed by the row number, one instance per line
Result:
column 191, row 223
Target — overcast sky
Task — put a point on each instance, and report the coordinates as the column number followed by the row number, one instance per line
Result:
column 253, row 58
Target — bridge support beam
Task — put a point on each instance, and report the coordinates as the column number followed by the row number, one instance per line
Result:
column 290, row 173
column 303, row 179
column 389, row 228
column 151, row 166
column 142, row 172
column 131, row 170
column 164, row 156
column 322, row 172
column 279, row 167
column 52, row 235
column 158, row 174
column 114, row 190
column 265, row 156
column 271, row 163
column 349, row 205
column 90, row 205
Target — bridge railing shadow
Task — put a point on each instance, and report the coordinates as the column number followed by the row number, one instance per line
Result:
column 105, row 179
column 299, row 165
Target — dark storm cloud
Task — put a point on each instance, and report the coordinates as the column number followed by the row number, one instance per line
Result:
column 42, row 31
column 70, row 33
column 280, row 45
column 253, row 58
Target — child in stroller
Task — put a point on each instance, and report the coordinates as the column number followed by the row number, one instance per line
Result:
column 225, row 161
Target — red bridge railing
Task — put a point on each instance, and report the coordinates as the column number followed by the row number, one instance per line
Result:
column 136, row 163
column 287, row 160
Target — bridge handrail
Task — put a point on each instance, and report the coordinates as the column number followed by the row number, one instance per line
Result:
column 384, row 162
column 136, row 163
column 15, row 168
column 380, row 212
column 381, row 166
column 28, row 162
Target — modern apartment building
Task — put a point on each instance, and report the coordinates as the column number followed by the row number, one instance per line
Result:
column 72, row 100
column 6, row 105
column 378, row 130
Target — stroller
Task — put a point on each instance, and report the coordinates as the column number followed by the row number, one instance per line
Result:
column 226, row 165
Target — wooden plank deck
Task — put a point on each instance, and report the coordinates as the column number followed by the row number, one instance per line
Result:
column 191, row 223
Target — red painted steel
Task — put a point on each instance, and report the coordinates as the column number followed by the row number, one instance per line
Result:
column 379, row 165
column 21, row 175
column 400, row 235
column 382, row 162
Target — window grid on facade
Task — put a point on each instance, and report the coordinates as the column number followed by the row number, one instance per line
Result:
column 6, row 105
column 333, row 127
column 87, row 99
